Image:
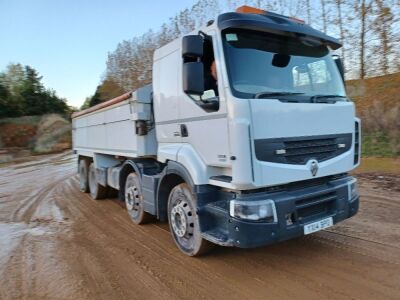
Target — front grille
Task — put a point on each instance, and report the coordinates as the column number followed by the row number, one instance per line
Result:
column 320, row 198
column 300, row 150
column 316, row 206
column 297, row 185
column 312, row 211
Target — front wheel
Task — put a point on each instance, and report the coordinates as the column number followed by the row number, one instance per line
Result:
column 184, row 221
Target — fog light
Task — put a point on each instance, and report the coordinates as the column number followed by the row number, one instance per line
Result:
column 253, row 210
column 352, row 189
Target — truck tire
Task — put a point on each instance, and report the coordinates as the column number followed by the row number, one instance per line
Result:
column 184, row 221
column 134, row 200
column 97, row 191
column 83, row 176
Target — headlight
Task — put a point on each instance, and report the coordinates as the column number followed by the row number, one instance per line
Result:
column 253, row 210
column 353, row 189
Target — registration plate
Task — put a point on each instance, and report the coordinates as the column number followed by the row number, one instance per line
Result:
column 317, row 226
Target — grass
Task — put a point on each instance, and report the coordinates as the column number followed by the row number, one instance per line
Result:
column 384, row 165
column 377, row 145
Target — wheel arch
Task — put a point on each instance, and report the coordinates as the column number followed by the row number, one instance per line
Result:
column 88, row 159
column 127, row 167
column 174, row 174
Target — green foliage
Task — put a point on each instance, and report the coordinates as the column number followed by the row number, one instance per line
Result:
column 107, row 90
column 377, row 144
column 86, row 104
column 31, row 120
column 22, row 93
column 381, row 125
column 96, row 98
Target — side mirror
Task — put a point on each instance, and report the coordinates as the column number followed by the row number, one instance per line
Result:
column 192, row 46
column 193, row 78
column 339, row 63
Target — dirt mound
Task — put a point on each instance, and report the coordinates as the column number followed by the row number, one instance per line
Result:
column 384, row 90
column 18, row 132
column 18, row 135
column 53, row 135
column 38, row 134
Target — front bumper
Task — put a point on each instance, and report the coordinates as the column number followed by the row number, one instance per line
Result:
column 295, row 207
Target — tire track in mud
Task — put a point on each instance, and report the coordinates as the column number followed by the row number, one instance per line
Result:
column 149, row 242
column 360, row 239
column 349, row 244
column 28, row 206
column 20, row 271
column 137, row 237
column 138, row 228
column 93, row 250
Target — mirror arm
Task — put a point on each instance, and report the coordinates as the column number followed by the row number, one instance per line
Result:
column 204, row 35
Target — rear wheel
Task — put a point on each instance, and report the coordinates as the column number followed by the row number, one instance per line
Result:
column 83, row 176
column 134, row 200
column 184, row 221
column 97, row 191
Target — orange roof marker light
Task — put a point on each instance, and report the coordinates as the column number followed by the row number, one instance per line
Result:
column 250, row 10
column 297, row 20
column 245, row 9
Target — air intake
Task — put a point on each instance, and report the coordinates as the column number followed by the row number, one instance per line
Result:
column 356, row 142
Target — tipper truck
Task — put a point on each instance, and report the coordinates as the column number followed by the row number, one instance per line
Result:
column 244, row 138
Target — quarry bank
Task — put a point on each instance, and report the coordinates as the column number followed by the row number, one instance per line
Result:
column 32, row 135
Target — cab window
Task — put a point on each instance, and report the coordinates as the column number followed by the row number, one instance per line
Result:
column 209, row 101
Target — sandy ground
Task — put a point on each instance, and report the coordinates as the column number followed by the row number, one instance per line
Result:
column 57, row 243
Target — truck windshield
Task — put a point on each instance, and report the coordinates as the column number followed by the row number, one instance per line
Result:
column 265, row 65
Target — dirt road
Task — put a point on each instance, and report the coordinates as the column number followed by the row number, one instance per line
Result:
column 57, row 243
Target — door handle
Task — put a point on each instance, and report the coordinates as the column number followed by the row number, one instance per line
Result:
column 184, row 131
column 176, row 133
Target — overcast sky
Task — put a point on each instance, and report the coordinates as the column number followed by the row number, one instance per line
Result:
column 67, row 41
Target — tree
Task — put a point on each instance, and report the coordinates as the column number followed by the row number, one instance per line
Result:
column 110, row 89
column 324, row 16
column 22, row 93
column 382, row 26
column 11, row 81
column 13, row 78
column 86, row 103
column 95, row 99
column 363, row 10
column 32, row 91
column 339, row 22
column 368, row 28
column 308, row 6
column 5, row 107
column 106, row 90
column 130, row 64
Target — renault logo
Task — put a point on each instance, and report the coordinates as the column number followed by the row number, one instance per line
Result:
column 314, row 167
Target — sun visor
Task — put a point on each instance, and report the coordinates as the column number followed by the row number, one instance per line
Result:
column 277, row 24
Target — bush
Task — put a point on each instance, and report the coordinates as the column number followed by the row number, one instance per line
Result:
column 381, row 130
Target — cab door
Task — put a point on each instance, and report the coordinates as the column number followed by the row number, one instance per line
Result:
column 203, row 124
column 166, row 78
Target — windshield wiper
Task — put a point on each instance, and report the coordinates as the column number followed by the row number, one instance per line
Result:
column 318, row 98
column 271, row 94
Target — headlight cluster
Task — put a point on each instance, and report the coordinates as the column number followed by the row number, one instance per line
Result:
column 353, row 189
column 253, row 210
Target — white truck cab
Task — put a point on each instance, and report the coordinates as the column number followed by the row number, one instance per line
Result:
column 250, row 153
